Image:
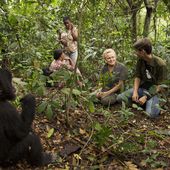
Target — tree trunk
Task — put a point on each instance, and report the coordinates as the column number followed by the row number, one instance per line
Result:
column 155, row 20
column 134, row 7
column 134, row 26
column 149, row 10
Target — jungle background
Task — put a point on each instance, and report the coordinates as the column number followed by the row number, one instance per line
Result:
column 82, row 133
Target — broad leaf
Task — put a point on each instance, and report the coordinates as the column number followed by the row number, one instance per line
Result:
column 42, row 107
column 76, row 92
column 49, row 112
column 65, row 91
column 50, row 133
column 91, row 107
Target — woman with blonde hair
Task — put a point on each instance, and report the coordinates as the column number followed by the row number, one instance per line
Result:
column 112, row 78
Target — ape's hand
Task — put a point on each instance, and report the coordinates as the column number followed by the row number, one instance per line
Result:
column 28, row 109
column 28, row 100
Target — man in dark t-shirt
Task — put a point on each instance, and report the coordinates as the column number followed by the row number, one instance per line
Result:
column 150, row 71
column 112, row 78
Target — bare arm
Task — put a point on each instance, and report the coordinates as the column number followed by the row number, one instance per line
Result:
column 63, row 41
column 74, row 33
column 135, row 89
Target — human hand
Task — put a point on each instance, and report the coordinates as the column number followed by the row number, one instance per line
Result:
column 98, row 94
column 142, row 100
column 158, row 89
column 71, row 26
column 161, row 88
column 135, row 97
column 64, row 42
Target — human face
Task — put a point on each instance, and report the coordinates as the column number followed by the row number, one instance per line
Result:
column 141, row 54
column 67, row 24
column 110, row 59
column 62, row 57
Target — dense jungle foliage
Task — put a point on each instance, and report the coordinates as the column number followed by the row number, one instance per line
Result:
column 28, row 37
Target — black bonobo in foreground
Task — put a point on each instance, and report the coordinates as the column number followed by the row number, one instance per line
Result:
column 17, row 140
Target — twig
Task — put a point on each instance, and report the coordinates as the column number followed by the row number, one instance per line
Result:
column 92, row 132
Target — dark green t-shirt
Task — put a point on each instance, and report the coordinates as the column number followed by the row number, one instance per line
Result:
column 109, row 79
column 151, row 74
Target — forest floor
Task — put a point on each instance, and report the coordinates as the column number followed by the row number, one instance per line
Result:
column 107, row 139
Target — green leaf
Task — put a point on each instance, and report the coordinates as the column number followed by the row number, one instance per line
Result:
column 152, row 90
column 135, row 106
column 98, row 126
column 65, row 91
column 106, row 113
column 42, row 107
column 129, row 147
column 40, row 91
column 12, row 19
column 91, row 107
column 55, row 104
column 76, row 92
column 49, row 112
column 50, row 133
column 19, row 81
column 163, row 86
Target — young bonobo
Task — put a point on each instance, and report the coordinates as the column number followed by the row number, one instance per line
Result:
column 17, row 140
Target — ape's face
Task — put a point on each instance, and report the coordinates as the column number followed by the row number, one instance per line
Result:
column 7, row 91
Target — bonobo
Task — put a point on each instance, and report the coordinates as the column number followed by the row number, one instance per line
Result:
column 17, row 139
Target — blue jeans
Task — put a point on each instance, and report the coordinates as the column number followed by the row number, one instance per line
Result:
column 151, row 106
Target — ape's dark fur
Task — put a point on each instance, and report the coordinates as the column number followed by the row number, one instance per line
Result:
column 17, row 142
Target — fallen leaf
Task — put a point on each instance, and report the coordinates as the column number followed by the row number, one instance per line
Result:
column 131, row 166
column 77, row 156
column 50, row 132
column 143, row 163
column 82, row 132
